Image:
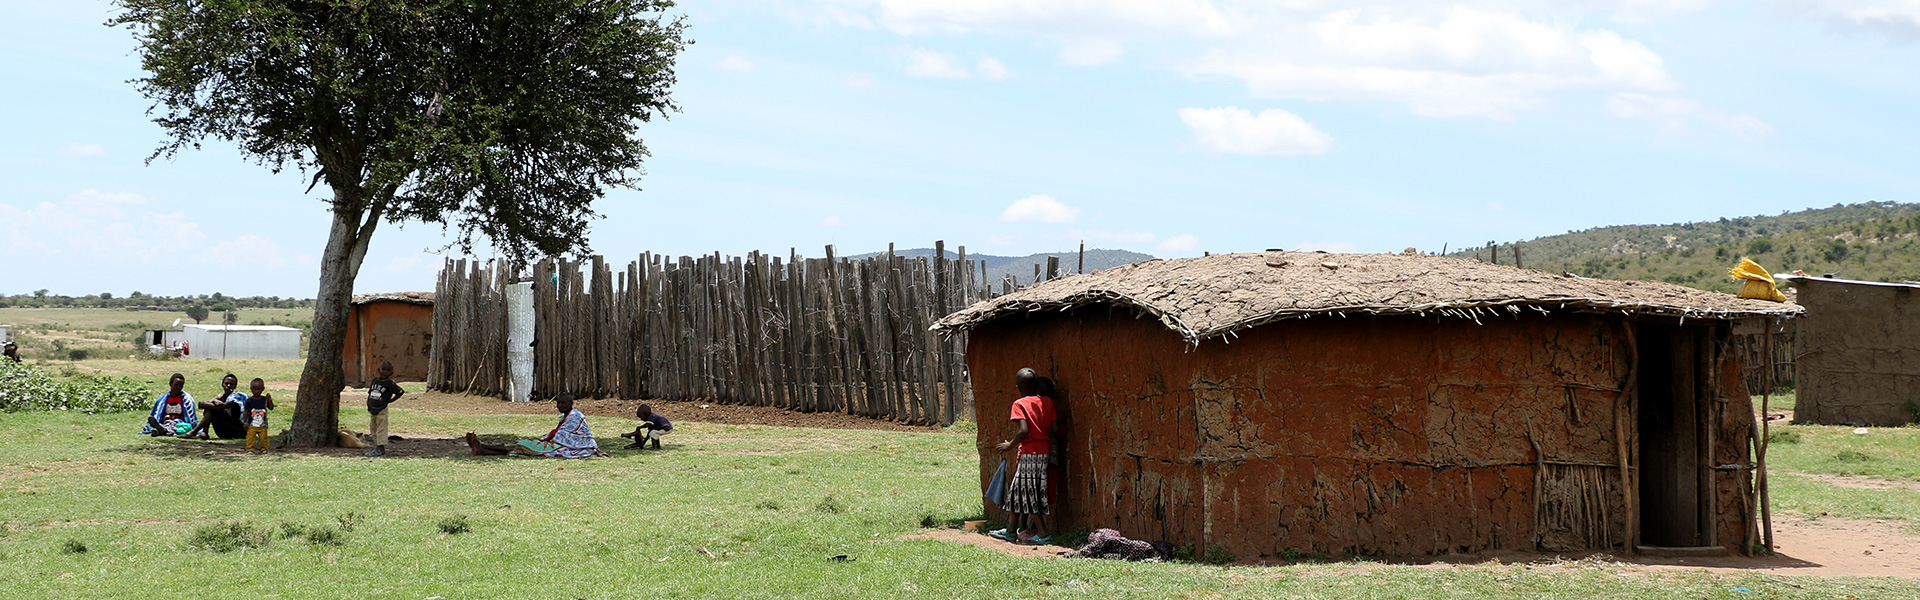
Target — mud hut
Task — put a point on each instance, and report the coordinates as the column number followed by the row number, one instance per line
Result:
column 396, row 327
column 1859, row 356
column 1389, row 405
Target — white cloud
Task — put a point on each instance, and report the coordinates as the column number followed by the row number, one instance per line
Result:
column 1898, row 18
column 832, row 221
column 1339, row 247
column 1675, row 115
column 930, row 64
column 1083, row 18
column 248, row 250
column 81, row 149
column 402, row 264
column 95, row 203
column 991, row 69
column 87, row 223
column 1459, row 62
column 1184, row 242
column 1039, row 208
column 1231, row 130
column 1082, row 53
column 735, row 63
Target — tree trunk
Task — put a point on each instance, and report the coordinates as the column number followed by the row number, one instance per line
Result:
column 316, row 415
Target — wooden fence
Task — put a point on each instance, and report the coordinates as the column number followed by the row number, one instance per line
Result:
column 811, row 335
column 1749, row 341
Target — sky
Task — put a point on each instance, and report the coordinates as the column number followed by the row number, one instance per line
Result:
column 1171, row 127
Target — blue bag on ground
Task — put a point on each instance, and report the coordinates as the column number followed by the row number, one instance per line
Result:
column 997, row 487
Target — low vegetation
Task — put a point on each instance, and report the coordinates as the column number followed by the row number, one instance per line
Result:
column 1873, row 241
column 27, row 387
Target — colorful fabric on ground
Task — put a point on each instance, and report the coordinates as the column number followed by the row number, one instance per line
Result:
column 188, row 413
column 572, row 439
column 1028, row 492
column 1109, row 544
column 1037, row 411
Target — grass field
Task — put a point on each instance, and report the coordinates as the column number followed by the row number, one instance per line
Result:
column 52, row 333
column 770, row 504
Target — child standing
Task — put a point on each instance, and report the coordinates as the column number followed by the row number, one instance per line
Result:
column 381, row 392
column 257, row 405
column 651, row 427
column 1029, row 497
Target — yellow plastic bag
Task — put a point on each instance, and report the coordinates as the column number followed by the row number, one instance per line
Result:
column 1760, row 284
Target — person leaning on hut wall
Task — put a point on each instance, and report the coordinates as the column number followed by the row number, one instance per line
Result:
column 1029, row 498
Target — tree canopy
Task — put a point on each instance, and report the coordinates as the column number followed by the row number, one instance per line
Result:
column 499, row 120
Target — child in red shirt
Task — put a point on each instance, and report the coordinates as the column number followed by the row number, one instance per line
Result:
column 1029, row 497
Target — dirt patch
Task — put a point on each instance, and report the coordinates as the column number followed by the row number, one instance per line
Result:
column 986, row 541
column 1828, row 547
column 677, row 411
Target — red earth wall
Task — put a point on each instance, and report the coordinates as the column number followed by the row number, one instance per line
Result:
column 1365, row 435
column 401, row 332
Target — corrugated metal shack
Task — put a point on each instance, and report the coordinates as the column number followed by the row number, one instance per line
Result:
column 396, row 327
column 1859, row 361
column 1382, row 404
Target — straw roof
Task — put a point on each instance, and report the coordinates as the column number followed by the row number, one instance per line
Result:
column 1216, row 295
column 425, row 298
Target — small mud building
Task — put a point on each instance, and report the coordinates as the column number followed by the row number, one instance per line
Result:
column 1381, row 404
column 1859, row 359
column 396, row 327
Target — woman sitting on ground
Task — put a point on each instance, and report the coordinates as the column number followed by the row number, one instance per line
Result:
column 171, row 408
column 571, row 439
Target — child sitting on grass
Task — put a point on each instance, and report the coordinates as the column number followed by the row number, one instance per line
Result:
column 257, row 405
column 651, row 427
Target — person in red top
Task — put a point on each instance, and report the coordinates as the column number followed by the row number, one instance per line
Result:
column 1029, row 496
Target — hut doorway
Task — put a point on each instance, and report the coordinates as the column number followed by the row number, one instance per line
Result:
column 1672, row 436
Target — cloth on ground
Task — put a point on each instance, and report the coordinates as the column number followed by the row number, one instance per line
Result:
column 572, row 439
column 1109, row 544
column 183, row 410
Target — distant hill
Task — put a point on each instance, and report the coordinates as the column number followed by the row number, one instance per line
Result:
column 1021, row 267
column 1872, row 241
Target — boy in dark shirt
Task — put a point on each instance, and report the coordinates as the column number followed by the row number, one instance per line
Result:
column 257, row 404
column 651, row 427
column 381, row 392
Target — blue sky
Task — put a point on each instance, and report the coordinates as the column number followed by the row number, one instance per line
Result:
column 1172, row 127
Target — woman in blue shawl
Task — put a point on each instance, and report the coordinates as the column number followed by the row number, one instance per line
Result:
column 172, row 408
column 571, row 439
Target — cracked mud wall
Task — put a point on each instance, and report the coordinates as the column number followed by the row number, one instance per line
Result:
column 1378, row 436
column 1860, row 354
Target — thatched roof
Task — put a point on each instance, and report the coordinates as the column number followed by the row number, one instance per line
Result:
column 425, row 298
column 1216, row 295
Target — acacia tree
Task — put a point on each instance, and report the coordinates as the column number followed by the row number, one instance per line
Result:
column 499, row 120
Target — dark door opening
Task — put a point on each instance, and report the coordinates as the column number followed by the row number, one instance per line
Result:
column 1671, row 425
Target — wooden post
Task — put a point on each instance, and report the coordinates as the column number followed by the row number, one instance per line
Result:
column 1623, row 404
column 1081, row 267
column 1766, row 429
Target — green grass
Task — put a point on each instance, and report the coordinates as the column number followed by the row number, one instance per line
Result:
column 1883, row 453
column 1815, row 498
column 1779, row 401
column 769, row 504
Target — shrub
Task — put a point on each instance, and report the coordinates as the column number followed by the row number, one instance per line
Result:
column 292, row 530
column 326, row 535
column 1217, row 555
column 227, row 536
column 455, row 525
column 831, row 505
column 1852, row 456
column 1783, row 437
column 73, row 546
column 78, row 354
column 768, row 505
column 24, row 387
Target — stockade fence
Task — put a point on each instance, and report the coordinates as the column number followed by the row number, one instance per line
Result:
column 1757, row 354
column 826, row 334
